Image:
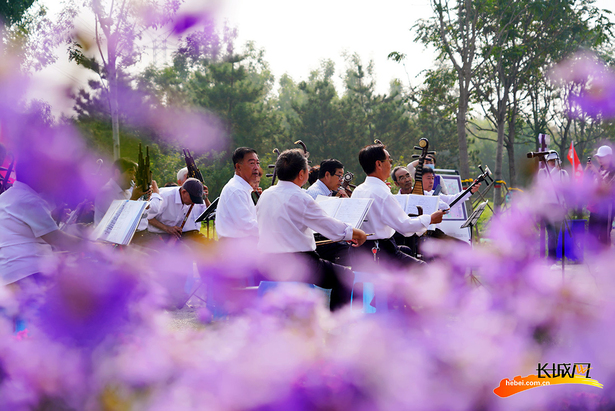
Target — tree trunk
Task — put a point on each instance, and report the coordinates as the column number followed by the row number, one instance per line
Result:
column 462, row 137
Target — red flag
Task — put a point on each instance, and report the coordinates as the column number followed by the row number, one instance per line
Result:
column 577, row 168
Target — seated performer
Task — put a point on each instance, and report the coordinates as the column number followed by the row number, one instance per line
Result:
column 236, row 212
column 27, row 231
column 402, row 179
column 175, row 206
column 286, row 217
column 430, row 162
column 330, row 177
column 192, row 229
column 386, row 216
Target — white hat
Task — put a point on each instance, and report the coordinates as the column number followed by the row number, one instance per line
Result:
column 552, row 155
column 604, row 151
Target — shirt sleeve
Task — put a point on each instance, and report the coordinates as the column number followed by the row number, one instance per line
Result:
column 316, row 219
column 37, row 217
column 395, row 217
column 155, row 204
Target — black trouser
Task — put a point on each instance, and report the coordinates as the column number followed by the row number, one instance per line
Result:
column 388, row 251
column 327, row 275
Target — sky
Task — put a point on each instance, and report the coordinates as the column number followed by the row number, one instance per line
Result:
column 296, row 36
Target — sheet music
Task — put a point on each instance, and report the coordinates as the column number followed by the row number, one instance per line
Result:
column 428, row 203
column 120, row 221
column 402, row 199
column 349, row 210
column 328, row 204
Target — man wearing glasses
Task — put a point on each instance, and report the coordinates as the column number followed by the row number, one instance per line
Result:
column 402, row 179
column 330, row 177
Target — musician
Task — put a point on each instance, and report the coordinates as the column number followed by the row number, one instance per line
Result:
column 119, row 187
column 556, row 214
column 601, row 211
column 28, row 231
column 192, row 229
column 430, row 162
column 175, row 205
column 313, row 174
column 236, row 212
column 286, row 215
column 182, row 176
column 402, row 179
column 386, row 215
column 330, row 178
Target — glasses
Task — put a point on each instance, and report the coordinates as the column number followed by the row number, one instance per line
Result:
column 340, row 176
column 404, row 177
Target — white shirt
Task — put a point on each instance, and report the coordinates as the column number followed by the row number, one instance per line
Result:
column 172, row 211
column 318, row 188
column 24, row 218
column 286, row 217
column 111, row 191
column 236, row 212
column 191, row 223
column 386, row 216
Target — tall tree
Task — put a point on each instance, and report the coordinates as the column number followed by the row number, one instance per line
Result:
column 118, row 27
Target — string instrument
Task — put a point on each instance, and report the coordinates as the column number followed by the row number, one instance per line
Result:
column 418, row 175
column 144, row 174
column 173, row 240
column 273, row 174
column 193, row 170
column 346, row 185
column 486, row 174
column 304, row 148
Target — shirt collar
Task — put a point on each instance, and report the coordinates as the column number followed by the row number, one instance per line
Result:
column 178, row 197
column 243, row 183
column 323, row 186
column 288, row 185
column 375, row 181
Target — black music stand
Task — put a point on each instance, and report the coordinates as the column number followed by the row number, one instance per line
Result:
column 209, row 214
column 473, row 219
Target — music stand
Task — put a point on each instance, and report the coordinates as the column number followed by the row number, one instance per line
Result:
column 473, row 219
column 209, row 214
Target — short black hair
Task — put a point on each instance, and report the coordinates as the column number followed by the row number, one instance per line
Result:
column 428, row 170
column 313, row 174
column 240, row 153
column 369, row 155
column 290, row 163
column 331, row 165
column 395, row 170
column 122, row 165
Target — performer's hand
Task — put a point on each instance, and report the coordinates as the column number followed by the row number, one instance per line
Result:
column 174, row 231
column 341, row 193
column 259, row 190
column 358, row 237
column 437, row 217
column 205, row 191
column 155, row 187
column 137, row 193
column 475, row 188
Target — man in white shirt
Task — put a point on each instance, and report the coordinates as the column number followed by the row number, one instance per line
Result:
column 330, row 178
column 402, row 179
column 386, row 216
column 176, row 203
column 236, row 212
column 192, row 229
column 287, row 215
column 27, row 232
